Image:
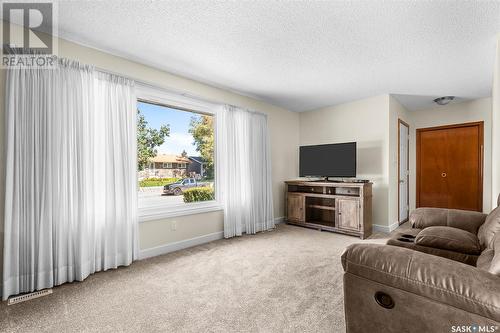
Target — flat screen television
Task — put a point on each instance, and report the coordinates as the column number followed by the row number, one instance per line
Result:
column 330, row 160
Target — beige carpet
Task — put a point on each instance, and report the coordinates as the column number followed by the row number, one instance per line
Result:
column 287, row 280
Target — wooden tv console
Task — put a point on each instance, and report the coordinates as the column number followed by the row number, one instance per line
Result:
column 339, row 207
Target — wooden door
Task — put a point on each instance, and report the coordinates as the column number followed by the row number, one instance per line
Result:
column 295, row 207
column 449, row 166
column 348, row 214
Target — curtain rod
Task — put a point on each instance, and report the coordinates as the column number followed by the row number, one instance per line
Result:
column 151, row 85
column 175, row 91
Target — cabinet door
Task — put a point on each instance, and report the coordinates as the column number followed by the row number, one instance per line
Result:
column 295, row 207
column 348, row 214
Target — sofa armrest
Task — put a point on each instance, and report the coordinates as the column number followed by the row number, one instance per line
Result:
column 442, row 280
column 466, row 220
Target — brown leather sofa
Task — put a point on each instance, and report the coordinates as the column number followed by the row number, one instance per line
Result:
column 448, row 233
column 446, row 278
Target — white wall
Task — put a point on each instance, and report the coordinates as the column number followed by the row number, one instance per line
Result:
column 495, row 125
column 283, row 126
column 470, row 111
column 366, row 122
column 373, row 123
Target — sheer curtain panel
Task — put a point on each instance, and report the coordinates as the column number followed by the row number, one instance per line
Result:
column 244, row 171
column 70, row 204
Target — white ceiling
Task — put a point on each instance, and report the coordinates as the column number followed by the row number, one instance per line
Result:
column 421, row 102
column 302, row 55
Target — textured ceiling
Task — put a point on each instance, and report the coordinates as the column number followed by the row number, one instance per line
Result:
column 302, row 55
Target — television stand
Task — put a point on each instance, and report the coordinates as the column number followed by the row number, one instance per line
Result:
column 340, row 180
column 344, row 207
column 325, row 180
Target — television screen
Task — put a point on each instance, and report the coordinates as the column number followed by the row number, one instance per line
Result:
column 331, row 160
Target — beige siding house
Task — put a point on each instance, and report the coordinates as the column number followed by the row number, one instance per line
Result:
column 166, row 166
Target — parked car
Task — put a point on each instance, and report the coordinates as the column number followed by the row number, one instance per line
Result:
column 178, row 187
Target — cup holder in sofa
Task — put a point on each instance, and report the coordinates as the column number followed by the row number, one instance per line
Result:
column 406, row 240
column 408, row 236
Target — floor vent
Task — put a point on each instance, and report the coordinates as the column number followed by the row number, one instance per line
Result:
column 29, row 297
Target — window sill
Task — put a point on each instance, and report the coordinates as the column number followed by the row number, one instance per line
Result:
column 159, row 213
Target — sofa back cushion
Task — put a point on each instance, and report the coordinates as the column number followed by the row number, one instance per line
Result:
column 495, row 261
column 424, row 217
column 449, row 238
column 489, row 229
column 489, row 260
column 485, row 259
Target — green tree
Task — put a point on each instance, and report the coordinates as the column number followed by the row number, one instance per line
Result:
column 148, row 139
column 202, row 130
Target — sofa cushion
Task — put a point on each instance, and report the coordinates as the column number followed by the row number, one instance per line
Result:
column 466, row 220
column 449, row 238
column 489, row 228
column 484, row 260
column 469, row 259
column 495, row 261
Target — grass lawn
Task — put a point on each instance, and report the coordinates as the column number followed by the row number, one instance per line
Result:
column 150, row 182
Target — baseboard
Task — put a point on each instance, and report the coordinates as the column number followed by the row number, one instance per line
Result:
column 184, row 244
column 176, row 246
column 376, row 227
column 279, row 220
column 385, row 228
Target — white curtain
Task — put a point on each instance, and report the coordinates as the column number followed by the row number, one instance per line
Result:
column 70, row 204
column 244, row 171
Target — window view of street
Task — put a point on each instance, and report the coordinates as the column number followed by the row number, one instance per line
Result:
column 175, row 156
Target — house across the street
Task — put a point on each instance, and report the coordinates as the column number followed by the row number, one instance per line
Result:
column 168, row 165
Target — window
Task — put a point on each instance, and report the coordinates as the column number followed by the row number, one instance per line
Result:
column 172, row 136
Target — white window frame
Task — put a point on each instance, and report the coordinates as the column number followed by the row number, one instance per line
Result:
column 146, row 93
column 167, row 165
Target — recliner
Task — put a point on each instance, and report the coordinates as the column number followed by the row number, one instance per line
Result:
column 455, row 234
column 415, row 287
column 461, row 226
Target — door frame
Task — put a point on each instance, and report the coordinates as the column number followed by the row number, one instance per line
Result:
column 401, row 122
column 480, row 125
